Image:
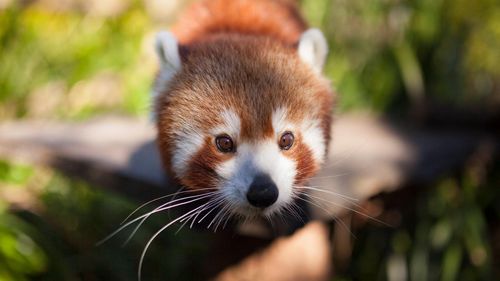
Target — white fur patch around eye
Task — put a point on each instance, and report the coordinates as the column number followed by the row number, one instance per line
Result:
column 231, row 124
column 279, row 122
column 313, row 137
column 310, row 129
column 190, row 140
column 187, row 143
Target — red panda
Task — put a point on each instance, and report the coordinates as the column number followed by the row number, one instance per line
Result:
column 240, row 104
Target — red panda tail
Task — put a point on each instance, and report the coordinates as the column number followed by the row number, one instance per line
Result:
column 279, row 19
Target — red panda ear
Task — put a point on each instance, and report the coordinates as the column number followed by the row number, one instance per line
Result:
column 313, row 48
column 169, row 54
column 167, row 49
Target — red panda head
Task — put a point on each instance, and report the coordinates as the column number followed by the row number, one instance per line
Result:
column 245, row 115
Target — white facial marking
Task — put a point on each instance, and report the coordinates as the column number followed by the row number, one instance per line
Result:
column 265, row 157
column 187, row 142
column 269, row 159
column 231, row 124
column 190, row 139
column 310, row 129
column 227, row 168
column 280, row 124
column 251, row 160
column 313, row 137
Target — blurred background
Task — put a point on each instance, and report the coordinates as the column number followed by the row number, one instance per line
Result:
column 424, row 62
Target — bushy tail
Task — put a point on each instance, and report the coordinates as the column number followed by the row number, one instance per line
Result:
column 280, row 19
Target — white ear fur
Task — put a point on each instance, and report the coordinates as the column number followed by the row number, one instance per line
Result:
column 167, row 49
column 313, row 48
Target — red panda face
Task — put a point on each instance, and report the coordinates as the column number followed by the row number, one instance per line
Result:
column 245, row 116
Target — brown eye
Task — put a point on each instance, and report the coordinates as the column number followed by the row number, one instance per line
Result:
column 224, row 143
column 286, row 140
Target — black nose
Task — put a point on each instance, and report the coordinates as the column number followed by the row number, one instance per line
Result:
column 263, row 192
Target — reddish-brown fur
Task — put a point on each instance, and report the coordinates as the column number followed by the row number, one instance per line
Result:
column 200, row 175
column 306, row 166
column 278, row 19
column 241, row 54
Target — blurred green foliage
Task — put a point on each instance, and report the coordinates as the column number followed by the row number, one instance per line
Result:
column 385, row 55
column 39, row 47
column 57, row 240
column 391, row 53
column 444, row 235
column 14, row 174
column 20, row 256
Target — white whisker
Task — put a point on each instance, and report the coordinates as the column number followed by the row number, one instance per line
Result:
column 164, row 207
column 226, row 212
column 329, row 177
column 194, row 216
column 329, row 192
column 348, row 208
column 228, row 217
column 216, row 217
column 139, row 271
column 146, row 215
column 221, row 200
column 159, row 198
column 327, row 212
column 293, row 209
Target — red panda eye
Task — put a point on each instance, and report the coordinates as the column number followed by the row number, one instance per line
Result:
column 224, row 143
column 286, row 140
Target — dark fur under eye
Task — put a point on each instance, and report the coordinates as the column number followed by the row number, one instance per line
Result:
column 224, row 143
column 286, row 140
